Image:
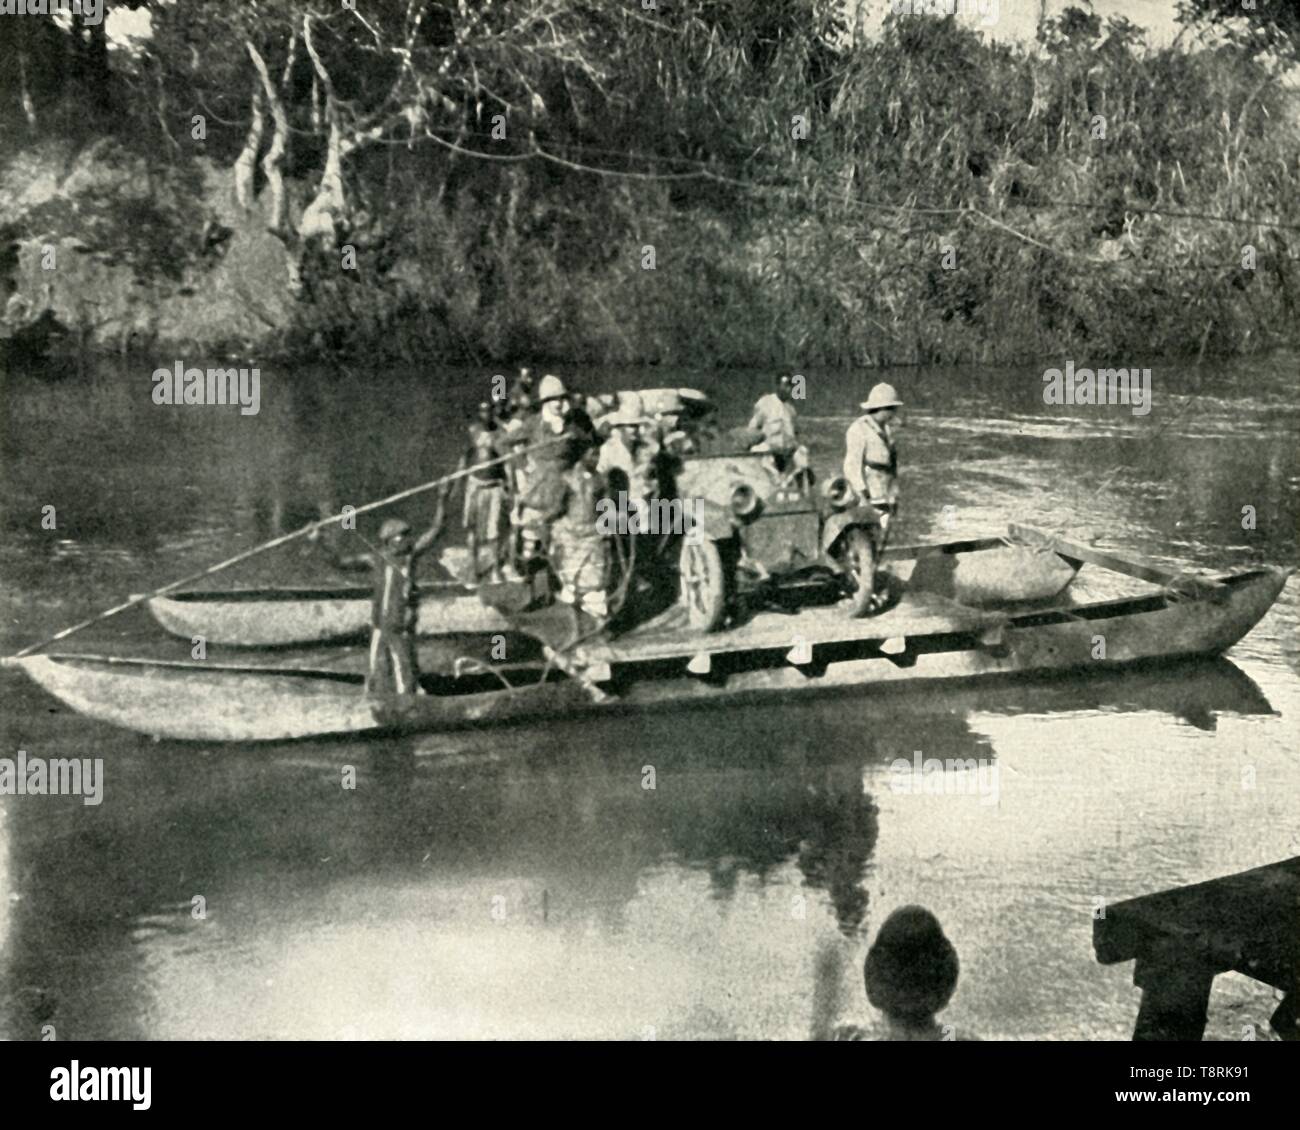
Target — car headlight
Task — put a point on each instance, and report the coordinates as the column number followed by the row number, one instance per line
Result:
column 744, row 503
column 837, row 492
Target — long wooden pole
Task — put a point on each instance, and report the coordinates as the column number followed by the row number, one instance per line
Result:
column 275, row 542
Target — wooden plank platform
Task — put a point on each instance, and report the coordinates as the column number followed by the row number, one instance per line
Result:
column 668, row 635
column 1182, row 938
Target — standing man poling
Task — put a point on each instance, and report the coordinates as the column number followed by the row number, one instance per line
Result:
column 871, row 454
column 395, row 609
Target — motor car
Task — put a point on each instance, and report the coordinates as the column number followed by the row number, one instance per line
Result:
column 760, row 531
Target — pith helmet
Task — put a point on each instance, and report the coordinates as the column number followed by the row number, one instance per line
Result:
column 551, row 388
column 630, row 412
column 882, row 396
column 393, row 527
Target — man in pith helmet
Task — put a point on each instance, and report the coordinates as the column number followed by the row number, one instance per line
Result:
column 871, row 454
column 556, row 441
column 626, row 457
column 629, row 464
column 541, row 473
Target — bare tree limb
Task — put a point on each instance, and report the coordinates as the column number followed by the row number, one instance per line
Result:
column 247, row 158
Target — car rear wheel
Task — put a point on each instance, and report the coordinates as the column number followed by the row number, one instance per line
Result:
column 703, row 585
column 859, row 557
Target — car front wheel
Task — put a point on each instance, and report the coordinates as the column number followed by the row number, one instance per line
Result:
column 859, row 557
column 703, row 585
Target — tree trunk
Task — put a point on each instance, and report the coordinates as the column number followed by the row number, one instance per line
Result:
column 25, row 94
column 277, row 222
column 272, row 162
column 320, row 218
column 247, row 159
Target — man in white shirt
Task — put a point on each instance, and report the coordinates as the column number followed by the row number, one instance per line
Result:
column 774, row 420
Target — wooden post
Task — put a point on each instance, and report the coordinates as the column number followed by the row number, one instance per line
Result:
column 1175, row 995
column 1181, row 938
column 1286, row 1017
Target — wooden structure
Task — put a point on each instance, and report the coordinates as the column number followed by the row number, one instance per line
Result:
column 1181, row 939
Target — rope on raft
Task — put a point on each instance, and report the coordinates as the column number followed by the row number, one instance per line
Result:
column 274, row 543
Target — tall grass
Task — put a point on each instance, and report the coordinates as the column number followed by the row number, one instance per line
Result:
column 955, row 201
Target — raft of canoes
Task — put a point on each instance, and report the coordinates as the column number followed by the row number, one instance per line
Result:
column 935, row 632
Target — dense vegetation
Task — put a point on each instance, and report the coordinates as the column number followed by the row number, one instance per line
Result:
column 921, row 196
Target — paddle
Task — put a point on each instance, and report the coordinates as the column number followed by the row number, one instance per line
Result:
column 283, row 539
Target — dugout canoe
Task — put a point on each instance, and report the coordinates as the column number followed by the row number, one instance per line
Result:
column 924, row 644
column 282, row 617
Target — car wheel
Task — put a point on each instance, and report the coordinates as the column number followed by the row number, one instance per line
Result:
column 859, row 555
column 703, row 585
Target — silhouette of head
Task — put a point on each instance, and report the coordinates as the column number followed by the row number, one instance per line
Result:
column 911, row 968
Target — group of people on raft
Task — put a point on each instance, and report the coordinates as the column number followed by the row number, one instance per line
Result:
column 579, row 450
column 569, row 452
column 540, row 459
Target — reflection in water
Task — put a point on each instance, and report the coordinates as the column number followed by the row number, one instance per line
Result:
column 523, row 882
column 302, row 486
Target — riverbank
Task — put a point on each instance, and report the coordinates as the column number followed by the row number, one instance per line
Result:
column 786, row 199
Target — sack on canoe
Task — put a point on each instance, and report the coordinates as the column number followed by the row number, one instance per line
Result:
column 996, row 576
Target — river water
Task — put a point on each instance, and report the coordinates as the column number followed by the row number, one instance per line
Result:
column 522, row 882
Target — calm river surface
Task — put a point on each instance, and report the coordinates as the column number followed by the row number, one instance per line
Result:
column 521, row 882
